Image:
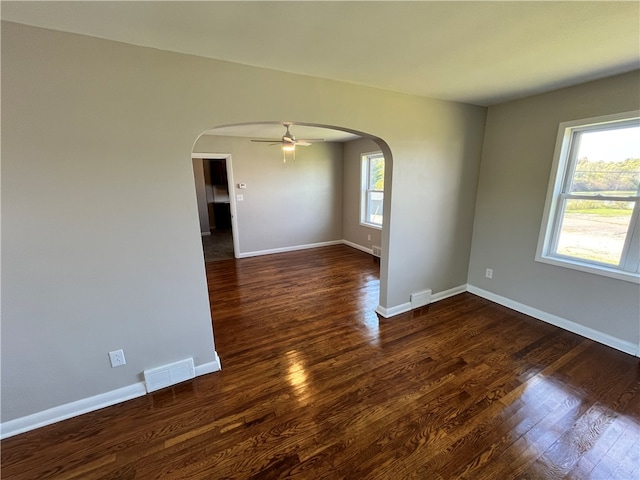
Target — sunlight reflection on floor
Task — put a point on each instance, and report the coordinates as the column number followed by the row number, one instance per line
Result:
column 297, row 376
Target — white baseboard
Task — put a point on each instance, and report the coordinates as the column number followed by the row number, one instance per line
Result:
column 210, row 367
column 590, row 333
column 289, row 249
column 436, row 297
column 86, row 405
column 305, row 247
column 406, row 307
column 393, row 311
column 69, row 410
column 358, row 247
column 205, row 234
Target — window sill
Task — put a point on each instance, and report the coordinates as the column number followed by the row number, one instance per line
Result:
column 590, row 268
column 371, row 225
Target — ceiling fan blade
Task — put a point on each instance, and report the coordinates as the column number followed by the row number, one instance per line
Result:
column 288, row 140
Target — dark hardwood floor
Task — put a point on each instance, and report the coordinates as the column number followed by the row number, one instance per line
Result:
column 315, row 386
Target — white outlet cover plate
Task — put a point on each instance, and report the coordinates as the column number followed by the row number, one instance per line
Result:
column 117, row 358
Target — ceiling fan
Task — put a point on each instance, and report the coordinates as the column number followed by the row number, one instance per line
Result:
column 288, row 141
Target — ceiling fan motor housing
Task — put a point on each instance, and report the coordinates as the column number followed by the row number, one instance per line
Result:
column 287, row 137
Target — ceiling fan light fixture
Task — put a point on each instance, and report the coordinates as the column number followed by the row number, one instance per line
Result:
column 288, row 142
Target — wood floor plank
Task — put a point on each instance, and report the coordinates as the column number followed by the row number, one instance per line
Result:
column 316, row 386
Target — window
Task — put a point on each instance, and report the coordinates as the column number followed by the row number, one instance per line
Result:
column 372, row 189
column 592, row 214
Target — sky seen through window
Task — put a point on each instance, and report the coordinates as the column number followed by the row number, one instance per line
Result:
column 614, row 145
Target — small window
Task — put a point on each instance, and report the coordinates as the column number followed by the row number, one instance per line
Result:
column 372, row 189
column 591, row 220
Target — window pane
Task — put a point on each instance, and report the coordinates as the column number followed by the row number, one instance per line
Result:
column 608, row 162
column 376, row 173
column 594, row 230
column 374, row 212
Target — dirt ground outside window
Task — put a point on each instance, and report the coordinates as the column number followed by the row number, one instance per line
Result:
column 594, row 237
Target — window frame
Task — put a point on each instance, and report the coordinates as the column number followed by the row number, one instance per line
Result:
column 366, row 191
column 562, row 173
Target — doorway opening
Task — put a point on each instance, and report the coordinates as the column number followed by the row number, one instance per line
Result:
column 214, row 190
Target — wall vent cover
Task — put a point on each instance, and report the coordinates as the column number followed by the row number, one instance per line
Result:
column 420, row 299
column 170, row 374
column 377, row 251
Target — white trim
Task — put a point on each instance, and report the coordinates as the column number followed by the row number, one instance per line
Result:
column 406, row 307
column 70, row 410
column 436, row 297
column 372, row 226
column 231, row 186
column 294, row 248
column 364, row 187
column 86, row 405
column 209, row 155
column 358, row 247
column 210, row 367
column 574, row 264
column 290, row 249
column 205, row 234
column 393, row 311
column 590, row 333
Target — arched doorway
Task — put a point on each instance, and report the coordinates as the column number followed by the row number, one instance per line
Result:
column 241, row 192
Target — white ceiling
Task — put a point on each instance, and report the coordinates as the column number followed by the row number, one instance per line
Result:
column 276, row 131
column 475, row 52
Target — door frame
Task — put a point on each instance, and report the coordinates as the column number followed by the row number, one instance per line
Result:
column 232, row 193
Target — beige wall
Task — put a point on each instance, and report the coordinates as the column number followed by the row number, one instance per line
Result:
column 101, row 243
column 516, row 163
column 353, row 231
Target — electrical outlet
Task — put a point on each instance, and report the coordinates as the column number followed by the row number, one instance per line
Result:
column 489, row 273
column 369, row 237
column 117, row 358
